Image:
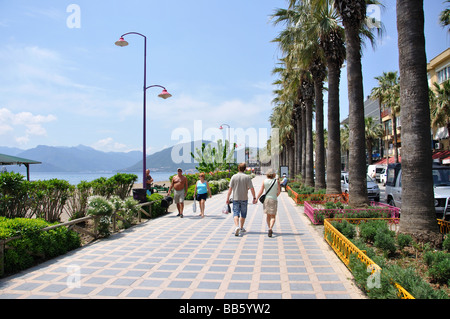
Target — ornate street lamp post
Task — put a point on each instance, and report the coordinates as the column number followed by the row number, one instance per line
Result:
column 164, row 94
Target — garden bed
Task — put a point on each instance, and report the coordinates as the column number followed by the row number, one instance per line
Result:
column 318, row 211
column 301, row 194
column 422, row 271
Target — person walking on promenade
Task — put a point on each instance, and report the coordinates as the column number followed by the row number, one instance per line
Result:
column 284, row 181
column 271, row 202
column 180, row 186
column 202, row 190
column 149, row 180
column 240, row 183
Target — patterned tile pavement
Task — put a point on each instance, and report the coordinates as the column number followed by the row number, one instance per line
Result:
column 196, row 258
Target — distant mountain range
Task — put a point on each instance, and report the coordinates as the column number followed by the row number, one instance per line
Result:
column 86, row 159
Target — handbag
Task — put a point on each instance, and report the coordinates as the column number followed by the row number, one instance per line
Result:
column 262, row 198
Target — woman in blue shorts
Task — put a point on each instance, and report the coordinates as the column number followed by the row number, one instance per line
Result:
column 202, row 190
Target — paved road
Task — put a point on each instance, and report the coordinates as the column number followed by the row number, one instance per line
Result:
column 194, row 258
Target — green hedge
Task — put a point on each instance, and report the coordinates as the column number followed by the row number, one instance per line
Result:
column 375, row 235
column 157, row 210
column 48, row 198
column 35, row 246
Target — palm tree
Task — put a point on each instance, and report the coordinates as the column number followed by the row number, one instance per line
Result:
column 374, row 131
column 303, row 58
column 418, row 213
column 307, row 89
column 317, row 28
column 440, row 105
column 331, row 38
column 284, row 114
column 318, row 72
column 388, row 93
column 444, row 18
column 353, row 14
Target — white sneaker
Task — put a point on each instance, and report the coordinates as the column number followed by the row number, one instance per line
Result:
column 243, row 230
column 236, row 231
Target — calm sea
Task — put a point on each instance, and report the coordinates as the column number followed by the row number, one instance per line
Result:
column 75, row 178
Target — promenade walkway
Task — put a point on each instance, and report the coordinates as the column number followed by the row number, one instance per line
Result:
column 195, row 258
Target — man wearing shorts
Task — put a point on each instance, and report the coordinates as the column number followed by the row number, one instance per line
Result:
column 180, row 187
column 240, row 183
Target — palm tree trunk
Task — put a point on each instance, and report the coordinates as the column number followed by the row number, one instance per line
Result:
column 369, row 151
column 291, row 159
column 299, row 142
column 309, row 165
column 418, row 213
column 357, row 144
column 394, row 128
column 303, row 143
column 320, row 148
column 334, row 131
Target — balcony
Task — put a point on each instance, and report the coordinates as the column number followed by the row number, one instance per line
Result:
column 385, row 113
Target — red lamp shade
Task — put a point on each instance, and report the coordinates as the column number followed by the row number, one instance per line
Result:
column 164, row 94
column 121, row 42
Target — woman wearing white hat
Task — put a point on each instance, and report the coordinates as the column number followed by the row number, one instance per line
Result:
column 272, row 187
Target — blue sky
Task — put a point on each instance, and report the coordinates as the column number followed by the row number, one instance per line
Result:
column 65, row 83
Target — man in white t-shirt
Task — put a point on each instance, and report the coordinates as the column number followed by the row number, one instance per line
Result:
column 240, row 183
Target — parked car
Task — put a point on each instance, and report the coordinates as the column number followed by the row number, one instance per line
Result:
column 441, row 182
column 373, row 191
column 383, row 175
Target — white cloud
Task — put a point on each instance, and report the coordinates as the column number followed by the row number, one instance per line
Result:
column 14, row 125
column 109, row 145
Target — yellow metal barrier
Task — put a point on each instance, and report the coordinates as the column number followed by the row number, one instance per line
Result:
column 444, row 226
column 343, row 247
column 402, row 293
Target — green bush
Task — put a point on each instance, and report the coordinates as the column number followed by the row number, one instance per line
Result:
column 190, row 192
column 404, row 240
column 413, row 283
column 99, row 206
column 368, row 229
column 156, row 210
column 345, row 228
column 385, row 241
column 13, row 195
column 446, row 243
column 439, row 265
column 123, row 183
column 49, row 198
column 34, row 245
column 379, row 285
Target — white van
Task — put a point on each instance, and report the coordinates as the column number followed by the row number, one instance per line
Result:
column 375, row 170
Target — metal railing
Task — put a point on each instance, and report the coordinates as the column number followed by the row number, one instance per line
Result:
column 344, row 248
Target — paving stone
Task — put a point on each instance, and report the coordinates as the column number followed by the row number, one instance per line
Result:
column 196, row 258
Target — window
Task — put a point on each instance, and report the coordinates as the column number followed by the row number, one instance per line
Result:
column 443, row 74
column 388, row 127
